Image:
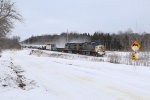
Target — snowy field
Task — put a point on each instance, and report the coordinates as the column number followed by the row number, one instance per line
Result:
column 46, row 75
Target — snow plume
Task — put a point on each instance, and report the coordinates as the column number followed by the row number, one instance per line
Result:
column 60, row 43
column 80, row 40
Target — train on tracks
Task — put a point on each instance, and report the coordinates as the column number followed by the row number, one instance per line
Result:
column 86, row 48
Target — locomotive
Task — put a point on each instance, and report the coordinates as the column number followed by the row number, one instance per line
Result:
column 86, row 48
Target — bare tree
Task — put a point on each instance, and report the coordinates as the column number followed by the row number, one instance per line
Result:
column 8, row 14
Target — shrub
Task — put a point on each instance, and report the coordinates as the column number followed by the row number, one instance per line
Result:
column 114, row 59
column 9, row 43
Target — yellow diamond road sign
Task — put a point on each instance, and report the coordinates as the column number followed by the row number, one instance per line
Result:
column 136, row 44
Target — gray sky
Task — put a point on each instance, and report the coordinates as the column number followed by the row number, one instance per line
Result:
column 56, row 16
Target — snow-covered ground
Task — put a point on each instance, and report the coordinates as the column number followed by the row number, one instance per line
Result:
column 26, row 75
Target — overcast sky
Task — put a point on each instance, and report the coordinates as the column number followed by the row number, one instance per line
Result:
column 56, row 16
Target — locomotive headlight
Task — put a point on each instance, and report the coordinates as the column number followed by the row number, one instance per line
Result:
column 100, row 53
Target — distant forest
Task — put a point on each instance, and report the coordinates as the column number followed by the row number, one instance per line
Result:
column 119, row 41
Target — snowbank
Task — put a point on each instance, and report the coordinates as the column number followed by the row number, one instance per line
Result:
column 12, row 76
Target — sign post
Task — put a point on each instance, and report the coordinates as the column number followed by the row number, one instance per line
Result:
column 135, row 46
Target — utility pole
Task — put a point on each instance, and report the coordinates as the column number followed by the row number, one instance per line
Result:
column 67, row 35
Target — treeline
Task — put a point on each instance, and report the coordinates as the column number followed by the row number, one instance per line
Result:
column 120, row 41
column 9, row 43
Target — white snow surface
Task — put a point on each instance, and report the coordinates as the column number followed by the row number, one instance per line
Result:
column 54, row 78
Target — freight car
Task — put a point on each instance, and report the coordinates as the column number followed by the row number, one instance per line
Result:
column 51, row 47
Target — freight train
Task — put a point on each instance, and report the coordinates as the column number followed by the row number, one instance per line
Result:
column 86, row 48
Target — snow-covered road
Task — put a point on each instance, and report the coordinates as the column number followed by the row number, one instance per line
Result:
column 75, row 79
